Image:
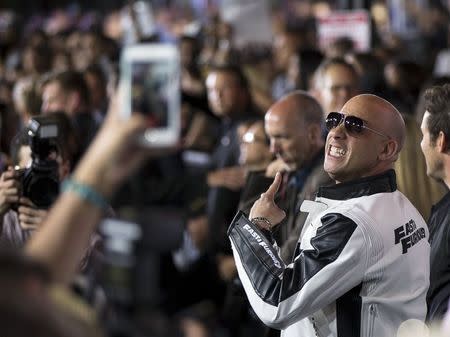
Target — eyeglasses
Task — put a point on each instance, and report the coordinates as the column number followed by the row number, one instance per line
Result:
column 353, row 125
column 250, row 138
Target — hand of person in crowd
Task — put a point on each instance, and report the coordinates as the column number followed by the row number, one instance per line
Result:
column 229, row 177
column 190, row 84
column 226, row 266
column 198, row 230
column 9, row 189
column 30, row 217
column 277, row 165
column 192, row 327
column 265, row 206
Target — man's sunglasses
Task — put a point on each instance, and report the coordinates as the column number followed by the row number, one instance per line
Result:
column 353, row 125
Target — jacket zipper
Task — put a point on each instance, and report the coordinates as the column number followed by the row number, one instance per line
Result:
column 372, row 314
column 314, row 324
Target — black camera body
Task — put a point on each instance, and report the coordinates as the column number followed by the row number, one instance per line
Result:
column 40, row 181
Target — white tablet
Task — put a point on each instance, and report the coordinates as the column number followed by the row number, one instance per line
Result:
column 150, row 76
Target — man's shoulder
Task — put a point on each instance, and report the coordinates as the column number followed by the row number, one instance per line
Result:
column 440, row 215
column 443, row 205
column 317, row 178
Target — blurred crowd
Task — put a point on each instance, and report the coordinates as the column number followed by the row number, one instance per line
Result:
column 64, row 66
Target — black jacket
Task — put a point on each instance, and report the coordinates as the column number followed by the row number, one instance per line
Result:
column 439, row 291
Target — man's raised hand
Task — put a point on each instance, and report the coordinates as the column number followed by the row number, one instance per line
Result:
column 265, row 206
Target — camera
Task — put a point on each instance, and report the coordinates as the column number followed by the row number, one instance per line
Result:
column 40, row 181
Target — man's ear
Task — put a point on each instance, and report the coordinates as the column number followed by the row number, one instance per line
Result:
column 390, row 151
column 314, row 132
column 442, row 143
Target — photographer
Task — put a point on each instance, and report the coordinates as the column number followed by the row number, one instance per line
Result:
column 18, row 214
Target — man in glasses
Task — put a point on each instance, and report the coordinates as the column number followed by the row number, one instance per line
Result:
column 335, row 82
column 362, row 262
column 436, row 149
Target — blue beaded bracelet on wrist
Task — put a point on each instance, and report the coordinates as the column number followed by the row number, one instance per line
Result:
column 85, row 192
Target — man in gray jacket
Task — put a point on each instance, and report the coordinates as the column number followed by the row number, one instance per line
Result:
column 361, row 266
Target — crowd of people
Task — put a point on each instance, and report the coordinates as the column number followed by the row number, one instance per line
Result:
column 308, row 193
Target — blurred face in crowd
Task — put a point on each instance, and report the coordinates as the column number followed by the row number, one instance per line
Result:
column 61, row 62
column 255, row 149
column 339, row 84
column 291, row 139
column 285, row 45
column 36, row 60
column 53, row 98
column 430, row 149
column 225, row 95
column 350, row 155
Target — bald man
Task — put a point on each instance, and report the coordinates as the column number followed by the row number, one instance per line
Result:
column 362, row 264
column 294, row 126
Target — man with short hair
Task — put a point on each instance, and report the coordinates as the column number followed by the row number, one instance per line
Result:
column 362, row 262
column 335, row 82
column 230, row 100
column 436, row 149
column 286, row 43
column 294, row 127
column 67, row 91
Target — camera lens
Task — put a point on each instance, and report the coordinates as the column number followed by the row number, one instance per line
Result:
column 42, row 191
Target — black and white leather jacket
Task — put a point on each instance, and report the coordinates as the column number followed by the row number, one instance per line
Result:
column 361, row 267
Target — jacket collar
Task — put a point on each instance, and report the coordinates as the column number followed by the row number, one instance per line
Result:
column 381, row 183
column 445, row 200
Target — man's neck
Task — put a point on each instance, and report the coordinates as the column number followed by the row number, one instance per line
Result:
column 446, row 179
column 315, row 156
column 447, row 182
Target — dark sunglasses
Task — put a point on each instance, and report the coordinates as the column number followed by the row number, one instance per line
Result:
column 353, row 125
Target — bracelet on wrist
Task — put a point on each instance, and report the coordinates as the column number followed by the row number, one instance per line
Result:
column 262, row 222
column 86, row 193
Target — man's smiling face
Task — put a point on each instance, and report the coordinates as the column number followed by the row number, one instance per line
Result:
column 351, row 156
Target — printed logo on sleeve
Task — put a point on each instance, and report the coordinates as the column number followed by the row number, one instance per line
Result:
column 263, row 244
column 408, row 234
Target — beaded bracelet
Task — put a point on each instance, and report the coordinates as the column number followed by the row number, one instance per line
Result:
column 85, row 192
column 260, row 219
